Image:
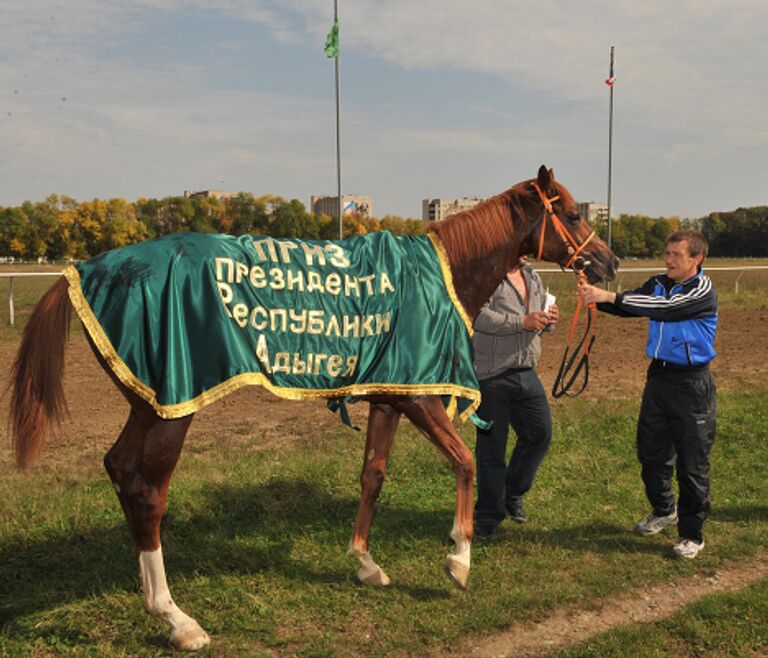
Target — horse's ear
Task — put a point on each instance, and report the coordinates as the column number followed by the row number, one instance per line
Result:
column 545, row 177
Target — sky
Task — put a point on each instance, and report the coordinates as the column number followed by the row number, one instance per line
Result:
column 439, row 98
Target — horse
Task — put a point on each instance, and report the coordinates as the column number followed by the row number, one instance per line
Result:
column 479, row 245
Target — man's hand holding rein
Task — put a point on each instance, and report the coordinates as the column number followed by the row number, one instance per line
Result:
column 593, row 295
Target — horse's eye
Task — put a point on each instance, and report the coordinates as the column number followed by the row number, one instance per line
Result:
column 573, row 217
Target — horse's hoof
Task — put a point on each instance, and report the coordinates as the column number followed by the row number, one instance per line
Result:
column 378, row 578
column 189, row 637
column 458, row 572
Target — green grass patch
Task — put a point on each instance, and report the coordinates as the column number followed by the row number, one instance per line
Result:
column 255, row 544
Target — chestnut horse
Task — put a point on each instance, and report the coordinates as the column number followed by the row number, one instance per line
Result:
column 537, row 215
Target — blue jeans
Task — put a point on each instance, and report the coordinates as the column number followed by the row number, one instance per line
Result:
column 513, row 398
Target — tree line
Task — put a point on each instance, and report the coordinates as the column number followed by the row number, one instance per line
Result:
column 741, row 233
column 61, row 228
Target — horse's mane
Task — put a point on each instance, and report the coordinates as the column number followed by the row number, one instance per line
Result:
column 472, row 234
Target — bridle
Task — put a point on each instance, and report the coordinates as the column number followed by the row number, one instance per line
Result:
column 578, row 264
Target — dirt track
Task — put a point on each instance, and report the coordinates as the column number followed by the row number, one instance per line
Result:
column 618, row 361
column 564, row 628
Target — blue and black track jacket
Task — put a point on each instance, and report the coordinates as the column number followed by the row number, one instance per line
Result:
column 683, row 317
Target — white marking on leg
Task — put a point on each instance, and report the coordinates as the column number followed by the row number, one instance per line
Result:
column 369, row 572
column 185, row 631
column 457, row 563
column 462, row 550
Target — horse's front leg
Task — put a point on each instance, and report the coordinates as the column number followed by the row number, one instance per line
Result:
column 429, row 416
column 382, row 425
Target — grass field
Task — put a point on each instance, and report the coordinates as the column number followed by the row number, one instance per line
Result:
column 255, row 544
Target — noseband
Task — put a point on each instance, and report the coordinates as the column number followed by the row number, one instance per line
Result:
column 577, row 262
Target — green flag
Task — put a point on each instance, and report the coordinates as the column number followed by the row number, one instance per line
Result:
column 332, row 41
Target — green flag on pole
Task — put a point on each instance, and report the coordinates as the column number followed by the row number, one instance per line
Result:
column 332, row 41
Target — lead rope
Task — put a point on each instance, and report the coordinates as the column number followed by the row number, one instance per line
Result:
column 571, row 368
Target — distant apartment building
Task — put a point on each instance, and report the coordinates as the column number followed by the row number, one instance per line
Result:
column 211, row 194
column 350, row 204
column 592, row 211
column 436, row 210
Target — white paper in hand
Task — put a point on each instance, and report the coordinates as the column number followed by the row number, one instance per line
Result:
column 550, row 299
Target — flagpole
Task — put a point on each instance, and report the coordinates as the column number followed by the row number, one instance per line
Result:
column 338, row 127
column 610, row 146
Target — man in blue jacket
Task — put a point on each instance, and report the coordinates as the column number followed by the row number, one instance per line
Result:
column 677, row 416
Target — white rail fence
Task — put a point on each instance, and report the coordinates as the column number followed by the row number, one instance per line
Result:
column 742, row 269
column 622, row 272
column 11, row 276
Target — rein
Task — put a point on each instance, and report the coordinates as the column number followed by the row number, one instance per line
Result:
column 570, row 368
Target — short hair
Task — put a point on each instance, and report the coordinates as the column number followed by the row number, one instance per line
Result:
column 697, row 243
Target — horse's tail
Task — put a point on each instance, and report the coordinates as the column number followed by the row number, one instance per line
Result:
column 37, row 395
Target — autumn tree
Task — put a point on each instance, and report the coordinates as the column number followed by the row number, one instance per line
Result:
column 121, row 227
column 42, row 239
column 88, row 229
column 14, row 230
column 290, row 220
column 207, row 214
column 640, row 236
column 174, row 215
column 245, row 215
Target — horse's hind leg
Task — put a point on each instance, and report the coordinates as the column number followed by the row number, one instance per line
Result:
column 382, row 425
column 140, row 465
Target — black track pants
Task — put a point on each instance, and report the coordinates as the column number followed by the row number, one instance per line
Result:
column 677, row 428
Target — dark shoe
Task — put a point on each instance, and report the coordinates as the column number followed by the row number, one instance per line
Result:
column 484, row 530
column 516, row 511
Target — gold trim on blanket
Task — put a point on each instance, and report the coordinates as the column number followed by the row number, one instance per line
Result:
column 448, row 277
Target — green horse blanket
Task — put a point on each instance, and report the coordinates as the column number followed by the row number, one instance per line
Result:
column 186, row 319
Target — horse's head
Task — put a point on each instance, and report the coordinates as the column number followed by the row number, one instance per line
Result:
column 562, row 236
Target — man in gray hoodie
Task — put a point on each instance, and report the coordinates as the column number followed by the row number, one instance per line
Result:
column 507, row 347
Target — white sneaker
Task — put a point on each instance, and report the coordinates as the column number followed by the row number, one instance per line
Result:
column 652, row 524
column 687, row 548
